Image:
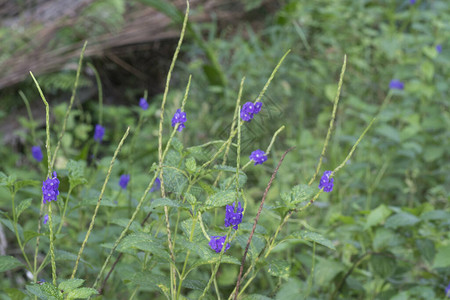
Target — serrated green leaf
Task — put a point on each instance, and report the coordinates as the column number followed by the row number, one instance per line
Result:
column 214, row 258
column 28, row 235
column 8, row 263
column 23, row 205
column 177, row 145
column 377, row 216
column 313, row 237
column 190, row 198
column 401, row 220
column 279, row 268
column 45, row 291
column 174, row 179
column 76, row 173
column 441, row 260
column 191, row 164
column 22, row 183
column 383, row 265
column 220, row 199
column 71, row 284
column 15, row 294
column 144, row 242
column 82, row 293
column 301, row 193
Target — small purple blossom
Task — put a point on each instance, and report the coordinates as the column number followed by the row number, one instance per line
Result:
column 50, row 189
column 396, row 84
column 258, row 156
column 179, row 118
column 326, row 182
column 45, row 219
column 439, row 48
column 249, row 109
column 99, row 133
column 143, row 103
column 412, row 2
column 123, row 181
column 37, row 153
column 156, row 185
column 447, row 291
column 233, row 216
column 216, row 243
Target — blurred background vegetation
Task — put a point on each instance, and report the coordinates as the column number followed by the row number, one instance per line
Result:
column 388, row 215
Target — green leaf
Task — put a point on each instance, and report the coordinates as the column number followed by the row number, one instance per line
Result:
column 15, row 294
column 326, row 271
column 214, row 258
column 426, row 249
column 301, row 193
column 174, row 179
column 8, row 263
column 401, row 219
column 28, row 235
column 82, row 293
column 442, row 257
column 191, row 164
column 23, row 205
column 45, row 291
column 165, row 202
column 279, row 268
column 383, row 265
column 144, row 242
column 377, row 216
column 220, row 199
column 435, row 215
column 313, row 237
column 70, row 284
column 22, row 183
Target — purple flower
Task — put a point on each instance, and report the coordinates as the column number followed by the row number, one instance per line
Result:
column 412, row 2
column 396, row 84
column 156, row 185
column 50, row 189
column 233, row 216
column 45, row 219
column 217, row 241
column 439, row 48
column 258, row 156
column 37, row 153
column 249, row 109
column 99, row 133
column 326, row 182
column 124, row 179
column 180, row 118
column 447, row 291
column 143, row 103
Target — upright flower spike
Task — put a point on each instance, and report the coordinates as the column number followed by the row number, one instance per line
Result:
column 123, row 181
column 233, row 216
column 179, row 118
column 99, row 133
column 50, row 189
column 143, row 103
column 37, row 153
column 258, row 156
column 217, row 241
column 326, row 182
column 396, row 84
column 439, row 48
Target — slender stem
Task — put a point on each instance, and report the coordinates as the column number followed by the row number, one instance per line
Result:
column 72, row 98
column 91, row 225
column 100, row 93
column 16, row 231
column 30, row 116
column 256, row 221
column 64, row 210
column 333, row 117
column 52, row 247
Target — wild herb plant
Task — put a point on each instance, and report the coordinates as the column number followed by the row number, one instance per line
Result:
column 174, row 242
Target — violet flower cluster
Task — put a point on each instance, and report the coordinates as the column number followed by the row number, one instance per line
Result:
column 233, row 217
column 258, row 156
column 50, row 189
column 326, row 183
column 249, row 110
column 99, row 133
column 179, row 118
column 396, row 84
column 37, row 153
column 156, row 185
column 143, row 103
column 123, row 181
